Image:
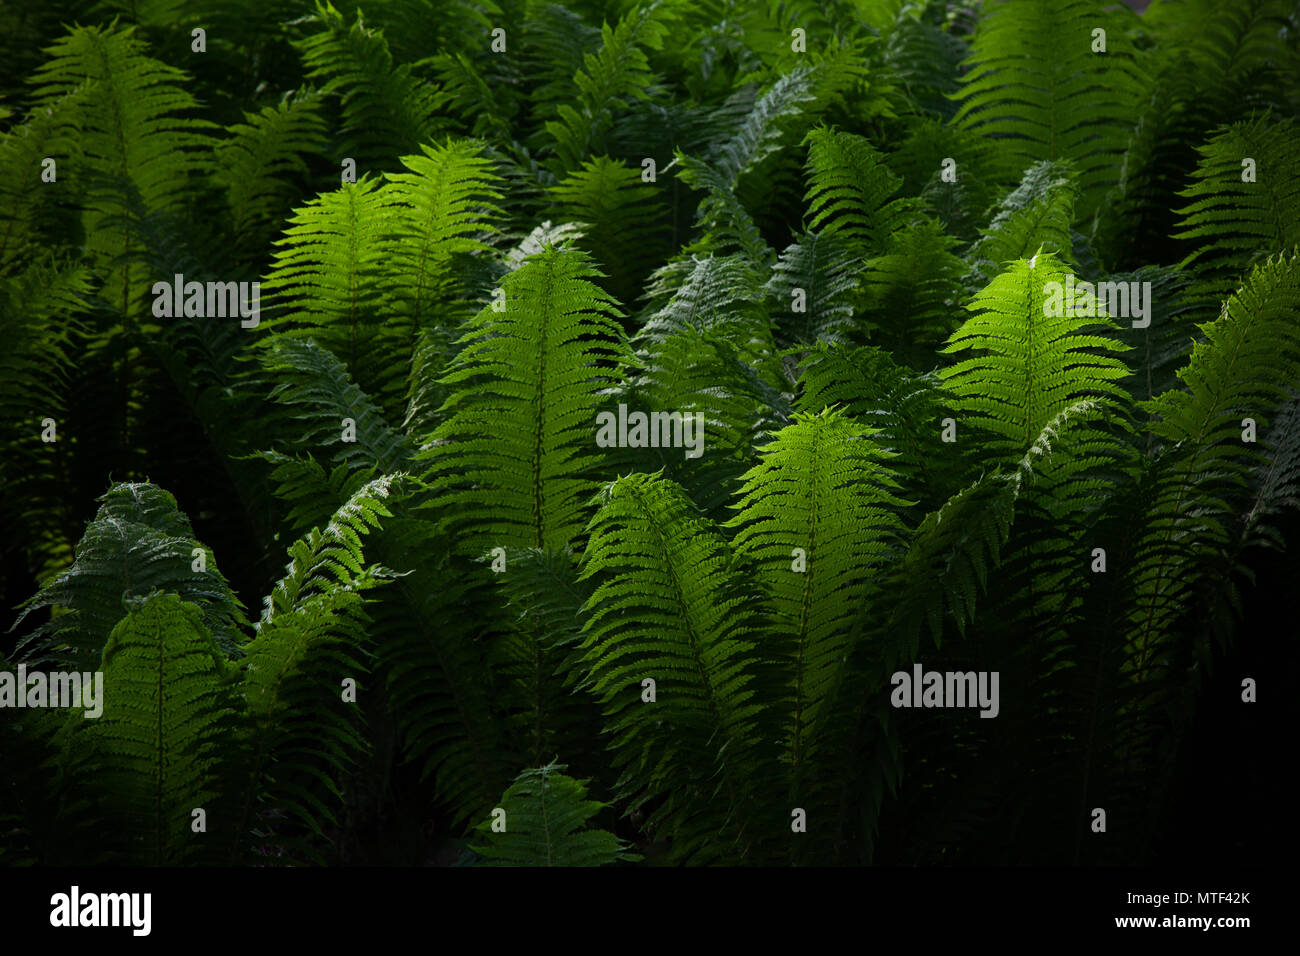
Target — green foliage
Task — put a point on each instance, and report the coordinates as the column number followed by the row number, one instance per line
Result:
column 546, row 814
column 387, row 109
column 837, row 259
column 817, row 518
column 1037, row 85
column 514, row 452
column 1034, row 361
column 1237, row 223
column 669, row 606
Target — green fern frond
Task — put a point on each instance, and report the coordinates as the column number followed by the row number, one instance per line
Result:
column 763, row 130
column 332, row 282
column 442, row 206
column 167, row 709
column 137, row 147
column 40, row 324
column 131, row 128
column 539, row 659
column 718, row 293
column 818, row 518
column 545, row 823
column 263, row 155
column 950, row 557
column 850, row 190
column 312, row 635
column 1277, row 479
column 1237, row 223
column 827, row 272
column 1037, row 88
column 669, row 607
column 1250, row 358
column 513, row 457
column 139, row 542
column 905, row 408
column 1035, row 363
column 314, row 385
column 912, row 291
column 701, row 375
column 29, row 213
column 387, row 110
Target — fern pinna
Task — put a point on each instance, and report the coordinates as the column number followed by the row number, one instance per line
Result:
column 938, row 337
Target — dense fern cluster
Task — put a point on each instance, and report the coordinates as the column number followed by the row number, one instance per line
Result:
column 822, row 231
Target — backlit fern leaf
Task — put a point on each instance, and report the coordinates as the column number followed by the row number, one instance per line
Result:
column 1034, row 364
column 818, row 517
column 670, row 607
column 514, row 455
column 1250, row 358
column 609, row 79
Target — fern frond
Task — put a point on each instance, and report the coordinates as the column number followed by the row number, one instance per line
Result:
column 513, row 457
column 1236, row 223
column 167, row 709
column 1250, row 358
column 825, row 270
column 387, row 110
column 442, row 205
column 1035, row 363
column 1277, row 479
column 313, row 383
column 312, row 630
column 139, row 542
column 905, row 408
column 912, row 291
column 850, row 190
column 1037, row 88
column 545, row 823
column 669, row 607
column 818, row 517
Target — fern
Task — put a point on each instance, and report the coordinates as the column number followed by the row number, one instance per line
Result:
column 670, row 608
column 261, row 157
column 167, row 709
column 608, row 79
column 619, row 216
column 513, row 456
column 138, row 543
column 312, row 630
column 1238, row 223
column 1035, row 84
column 1201, row 425
column 1034, row 365
column 850, row 188
column 546, row 815
column 387, row 110
column 1035, row 215
column 817, row 516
